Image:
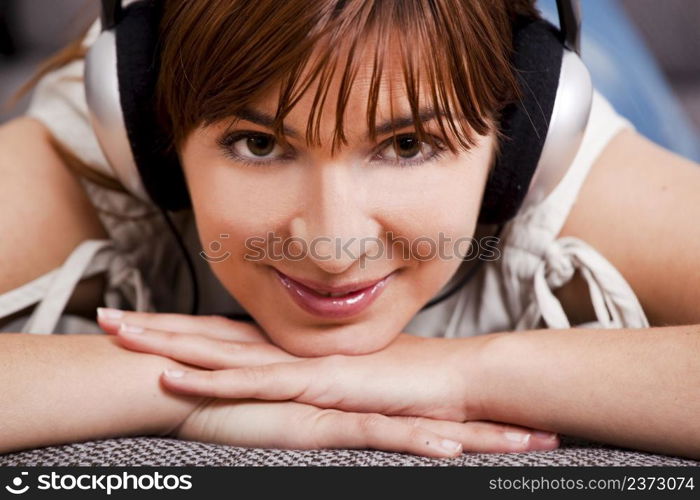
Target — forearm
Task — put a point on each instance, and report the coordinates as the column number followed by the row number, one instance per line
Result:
column 67, row 388
column 630, row 387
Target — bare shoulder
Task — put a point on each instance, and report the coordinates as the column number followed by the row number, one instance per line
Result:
column 639, row 208
column 45, row 210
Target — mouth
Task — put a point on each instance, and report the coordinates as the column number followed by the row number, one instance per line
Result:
column 333, row 302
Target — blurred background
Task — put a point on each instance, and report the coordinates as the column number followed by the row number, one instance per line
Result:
column 644, row 56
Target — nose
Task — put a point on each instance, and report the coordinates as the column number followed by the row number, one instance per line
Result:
column 336, row 225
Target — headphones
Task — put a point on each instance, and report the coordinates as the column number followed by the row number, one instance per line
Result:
column 543, row 131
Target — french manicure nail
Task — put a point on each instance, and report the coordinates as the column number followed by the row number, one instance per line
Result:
column 174, row 373
column 109, row 314
column 124, row 328
column 451, row 446
column 517, row 437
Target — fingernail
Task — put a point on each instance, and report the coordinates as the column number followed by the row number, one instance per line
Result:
column 547, row 436
column 517, row 437
column 128, row 329
column 174, row 373
column 451, row 446
column 108, row 314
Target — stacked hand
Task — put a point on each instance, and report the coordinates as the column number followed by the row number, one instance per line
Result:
column 416, row 395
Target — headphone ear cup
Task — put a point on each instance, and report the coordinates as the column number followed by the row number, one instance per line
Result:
column 138, row 65
column 105, row 111
column 524, row 124
column 121, row 72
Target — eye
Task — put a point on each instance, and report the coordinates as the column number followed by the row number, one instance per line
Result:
column 407, row 149
column 253, row 147
column 258, row 148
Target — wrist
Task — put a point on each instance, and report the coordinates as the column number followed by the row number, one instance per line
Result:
column 486, row 360
column 181, row 407
column 190, row 422
column 506, row 376
column 152, row 409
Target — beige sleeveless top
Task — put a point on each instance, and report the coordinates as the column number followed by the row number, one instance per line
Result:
column 145, row 271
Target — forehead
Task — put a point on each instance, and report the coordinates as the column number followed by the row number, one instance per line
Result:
column 349, row 73
column 356, row 90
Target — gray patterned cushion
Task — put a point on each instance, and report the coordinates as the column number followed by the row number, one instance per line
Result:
column 153, row 451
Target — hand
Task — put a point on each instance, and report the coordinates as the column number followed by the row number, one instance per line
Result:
column 287, row 424
column 213, row 342
column 413, row 376
column 290, row 424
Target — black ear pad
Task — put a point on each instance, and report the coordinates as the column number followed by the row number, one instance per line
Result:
column 137, row 67
column 537, row 59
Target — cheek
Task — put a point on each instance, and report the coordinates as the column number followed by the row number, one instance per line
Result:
column 232, row 225
column 222, row 199
column 245, row 207
column 455, row 203
column 440, row 198
column 441, row 221
column 436, row 208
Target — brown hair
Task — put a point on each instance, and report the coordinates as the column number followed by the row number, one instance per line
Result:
column 461, row 48
column 218, row 56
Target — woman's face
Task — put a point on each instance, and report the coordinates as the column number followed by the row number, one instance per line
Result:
column 369, row 212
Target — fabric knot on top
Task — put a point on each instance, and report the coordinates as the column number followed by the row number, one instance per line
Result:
column 558, row 263
column 614, row 302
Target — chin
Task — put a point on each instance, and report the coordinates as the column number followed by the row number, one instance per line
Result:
column 350, row 340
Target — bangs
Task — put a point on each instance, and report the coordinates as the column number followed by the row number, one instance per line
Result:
column 220, row 56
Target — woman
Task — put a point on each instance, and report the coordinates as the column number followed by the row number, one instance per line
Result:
column 353, row 371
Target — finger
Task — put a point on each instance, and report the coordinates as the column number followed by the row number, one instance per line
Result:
column 200, row 350
column 338, row 429
column 210, row 326
column 274, row 382
column 488, row 437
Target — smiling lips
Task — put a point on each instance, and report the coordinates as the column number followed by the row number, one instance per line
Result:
column 333, row 302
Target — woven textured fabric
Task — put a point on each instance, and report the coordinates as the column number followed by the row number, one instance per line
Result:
column 152, row 451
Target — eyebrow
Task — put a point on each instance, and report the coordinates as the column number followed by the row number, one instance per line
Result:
column 265, row 120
